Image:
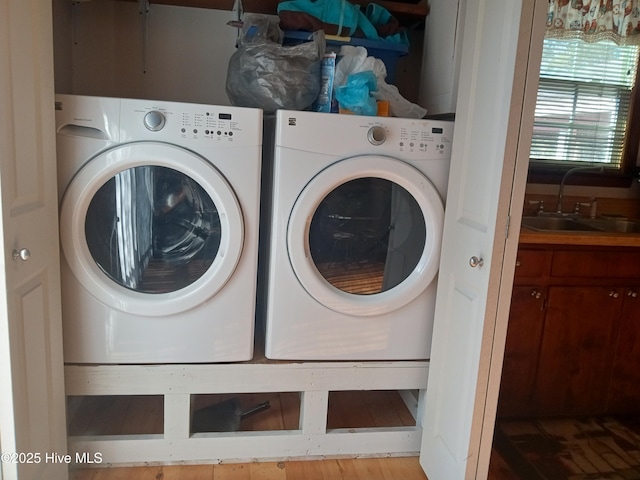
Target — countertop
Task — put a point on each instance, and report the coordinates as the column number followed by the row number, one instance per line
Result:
column 600, row 239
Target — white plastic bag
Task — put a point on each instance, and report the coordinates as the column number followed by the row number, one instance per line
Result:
column 356, row 59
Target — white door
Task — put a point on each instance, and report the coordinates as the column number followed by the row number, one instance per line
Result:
column 32, row 408
column 478, row 259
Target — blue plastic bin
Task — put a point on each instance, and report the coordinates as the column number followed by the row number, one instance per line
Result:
column 388, row 52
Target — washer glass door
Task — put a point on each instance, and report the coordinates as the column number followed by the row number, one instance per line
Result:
column 151, row 229
column 364, row 235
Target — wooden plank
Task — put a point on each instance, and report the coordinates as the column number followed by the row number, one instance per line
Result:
column 250, row 446
column 177, row 414
column 186, row 472
column 141, row 473
column 415, row 11
column 267, row 471
column 313, row 412
column 244, row 378
column 393, row 468
column 411, row 399
column 402, row 468
column 233, row 472
column 280, row 382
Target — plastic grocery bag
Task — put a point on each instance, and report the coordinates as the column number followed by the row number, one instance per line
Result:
column 355, row 93
column 265, row 74
column 356, row 59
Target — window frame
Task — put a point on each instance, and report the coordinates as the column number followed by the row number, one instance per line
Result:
column 622, row 177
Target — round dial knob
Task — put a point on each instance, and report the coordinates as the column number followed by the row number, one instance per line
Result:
column 376, row 135
column 154, row 121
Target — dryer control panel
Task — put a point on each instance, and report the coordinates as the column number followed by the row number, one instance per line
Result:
column 188, row 123
column 344, row 135
column 428, row 138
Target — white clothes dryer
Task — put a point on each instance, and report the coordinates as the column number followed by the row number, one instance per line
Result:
column 159, row 230
column 356, row 225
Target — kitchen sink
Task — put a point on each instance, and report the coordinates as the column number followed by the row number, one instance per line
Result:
column 611, row 225
column 557, row 224
column 551, row 223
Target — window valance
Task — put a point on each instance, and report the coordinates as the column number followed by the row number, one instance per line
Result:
column 595, row 20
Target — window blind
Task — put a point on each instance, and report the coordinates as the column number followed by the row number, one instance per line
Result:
column 583, row 104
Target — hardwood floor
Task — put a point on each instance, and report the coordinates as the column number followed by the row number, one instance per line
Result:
column 404, row 468
column 371, row 469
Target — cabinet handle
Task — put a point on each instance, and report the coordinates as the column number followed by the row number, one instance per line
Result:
column 536, row 294
column 518, row 263
column 614, row 294
column 632, row 293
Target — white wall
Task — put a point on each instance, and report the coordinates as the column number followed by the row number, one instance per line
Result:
column 100, row 50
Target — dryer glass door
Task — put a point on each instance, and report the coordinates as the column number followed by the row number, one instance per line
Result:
column 364, row 235
column 367, row 236
column 152, row 229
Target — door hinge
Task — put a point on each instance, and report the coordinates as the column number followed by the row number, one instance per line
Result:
column 506, row 230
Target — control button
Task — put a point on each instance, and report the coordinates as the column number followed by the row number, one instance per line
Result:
column 376, row 135
column 195, row 130
column 154, row 121
column 231, row 134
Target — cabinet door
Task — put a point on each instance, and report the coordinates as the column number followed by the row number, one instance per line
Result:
column 532, row 266
column 624, row 392
column 526, row 320
column 576, row 351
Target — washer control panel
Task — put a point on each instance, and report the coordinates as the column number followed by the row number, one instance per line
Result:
column 220, row 125
column 187, row 123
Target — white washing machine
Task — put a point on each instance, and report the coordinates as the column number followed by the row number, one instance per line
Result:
column 159, row 230
column 357, row 217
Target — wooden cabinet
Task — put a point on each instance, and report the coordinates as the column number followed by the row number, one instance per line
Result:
column 526, row 320
column 575, row 358
column 575, row 349
column 624, row 390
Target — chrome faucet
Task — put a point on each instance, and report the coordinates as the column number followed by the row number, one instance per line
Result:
column 564, row 178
